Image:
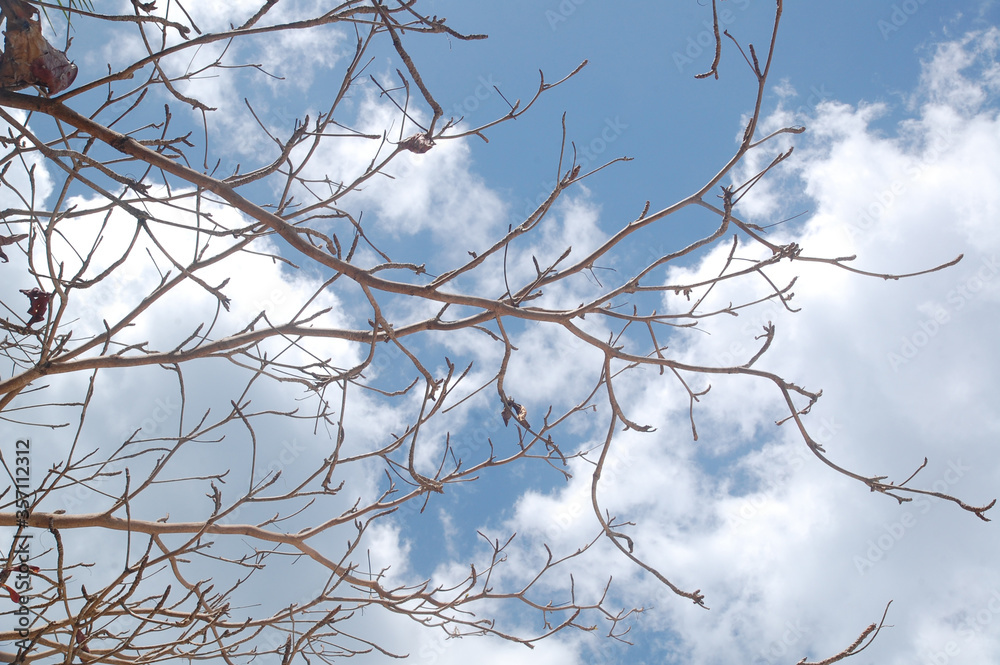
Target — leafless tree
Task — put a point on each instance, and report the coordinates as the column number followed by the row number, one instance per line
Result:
column 131, row 195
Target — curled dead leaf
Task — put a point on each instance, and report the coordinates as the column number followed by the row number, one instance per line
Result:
column 10, row 240
column 517, row 411
column 38, row 306
column 29, row 59
column 418, row 143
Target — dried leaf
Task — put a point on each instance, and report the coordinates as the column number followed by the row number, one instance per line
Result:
column 517, row 411
column 81, row 639
column 38, row 306
column 522, row 416
column 54, row 71
column 418, row 143
column 10, row 240
column 28, row 59
column 13, row 594
column 17, row 8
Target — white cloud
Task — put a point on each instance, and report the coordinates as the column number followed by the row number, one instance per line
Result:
column 795, row 559
column 946, row 77
column 436, row 191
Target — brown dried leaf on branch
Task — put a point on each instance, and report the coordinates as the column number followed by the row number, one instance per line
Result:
column 28, row 58
column 418, row 143
column 10, row 240
column 517, row 411
column 39, row 304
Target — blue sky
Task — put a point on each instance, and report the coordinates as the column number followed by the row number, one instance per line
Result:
column 639, row 72
column 899, row 165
